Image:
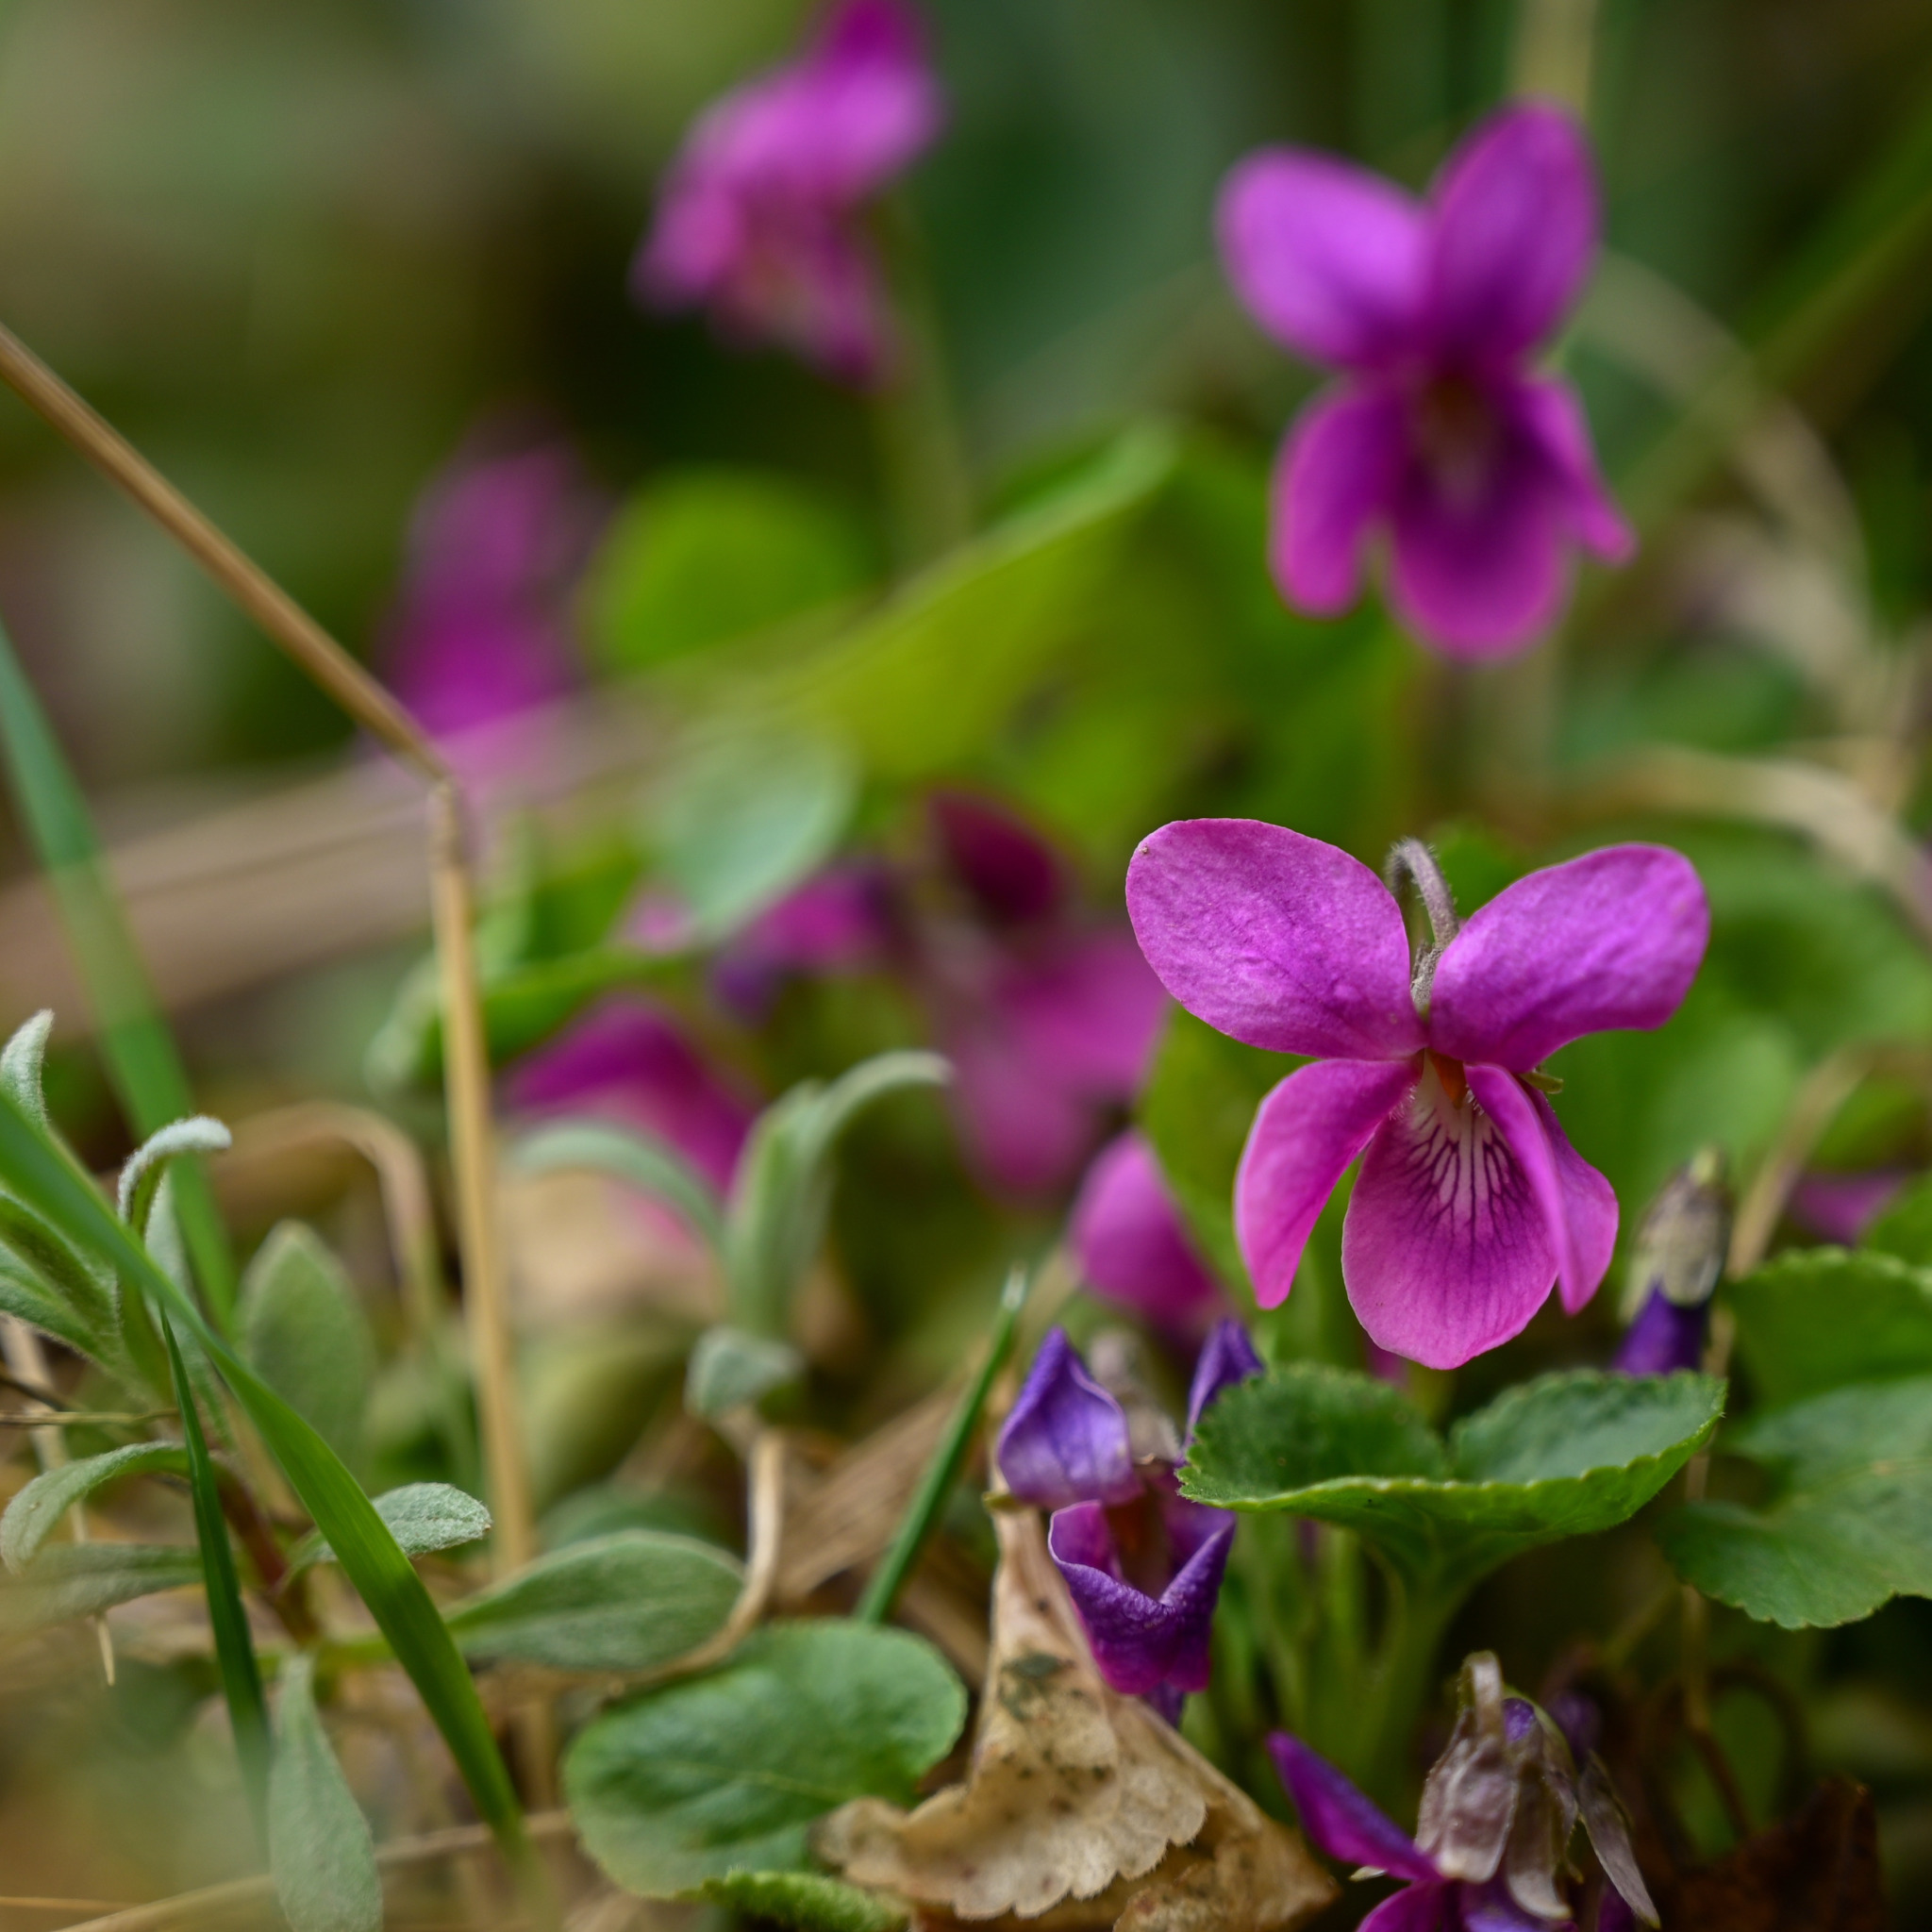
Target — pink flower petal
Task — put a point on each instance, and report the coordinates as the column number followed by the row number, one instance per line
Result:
column 1011, row 870
column 1025, row 1134
column 1551, row 415
column 1578, row 1208
column 1414, row 1908
column 1130, row 1243
column 1334, row 478
column 1278, row 940
column 880, row 106
column 1445, row 1252
column 1611, row 939
column 1514, row 228
column 1341, row 1821
column 1304, row 1137
column 1328, row 257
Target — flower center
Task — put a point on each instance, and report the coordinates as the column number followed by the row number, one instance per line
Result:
column 1456, row 435
column 1454, row 1081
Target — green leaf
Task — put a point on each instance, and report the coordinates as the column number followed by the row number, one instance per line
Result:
column 34, row 1514
column 147, row 1166
column 1814, row 1318
column 302, row 1329
column 23, row 1062
column 706, row 555
column 809, row 1900
column 46, row 1176
column 1195, row 1110
column 1904, row 1228
column 740, row 819
column 140, row 1053
column 29, row 1298
column 640, row 1161
column 1849, row 1525
column 1567, row 1454
column 423, row 1517
column 626, row 1601
column 319, row 1852
column 729, row 1369
column 234, row 1642
column 725, row 1772
column 69, row 1580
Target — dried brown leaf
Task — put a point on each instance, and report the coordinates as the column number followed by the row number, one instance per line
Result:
column 1081, row 1807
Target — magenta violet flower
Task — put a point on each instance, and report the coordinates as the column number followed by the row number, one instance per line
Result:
column 1470, row 1202
column 1141, row 1565
column 760, row 217
column 1132, row 1246
column 1498, row 1811
column 1839, row 1207
column 1441, row 432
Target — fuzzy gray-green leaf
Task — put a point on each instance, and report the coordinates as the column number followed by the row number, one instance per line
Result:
column 34, row 1514
column 81, row 1579
column 320, row 1852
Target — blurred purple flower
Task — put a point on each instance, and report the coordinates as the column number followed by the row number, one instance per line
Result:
column 1143, row 1565
column 1664, row 1337
column 840, row 921
column 1470, row 1201
column 481, row 633
column 1480, row 469
column 1674, row 1265
column 626, row 1062
column 1131, row 1245
column 1839, row 1207
column 759, row 217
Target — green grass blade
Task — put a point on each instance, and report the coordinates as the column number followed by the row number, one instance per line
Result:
column 234, row 1645
column 46, row 1176
column 895, row 1566
column 142, row 1061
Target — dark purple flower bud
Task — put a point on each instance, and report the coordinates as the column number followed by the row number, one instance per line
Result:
column 1141, row 1642
column 1579, row 1719
column 1012, row 875
column 1066, row 1439
column 1681, row 1242
column 1227, row 1357
column 1663, row 1339
column 838, row 922
column 1132, row 1247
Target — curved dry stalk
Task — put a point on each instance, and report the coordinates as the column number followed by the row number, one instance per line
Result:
column 193, row 1907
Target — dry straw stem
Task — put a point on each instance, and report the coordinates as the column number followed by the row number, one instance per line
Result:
column 466, row 1064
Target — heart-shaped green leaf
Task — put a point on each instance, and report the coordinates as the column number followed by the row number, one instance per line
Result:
column 1563, row 1456
column 1851, row 1524
column 725, row 1772
column 1817, row 1318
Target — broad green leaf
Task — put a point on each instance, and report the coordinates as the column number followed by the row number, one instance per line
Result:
column 1849, row 1525
column 1816, row 1318
column 725, row 1772
column 808, row 1901
column 704, row 554
column 34, row 1514
column 640, row 1161
column 302, row 1328
column 68, row 1580
column 1904, row 1228
column 423, row 1517
column 142, row 1060
column 1195, row 1110
column 1566, row 1455
column 319, row 1852
column 730, row 1369
column 626, row 1601
column 147, row 1166
column 740, row 818
column 44, row 1175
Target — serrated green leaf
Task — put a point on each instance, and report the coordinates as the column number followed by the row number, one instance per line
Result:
column 34, row 1514
column 1850, row 1524
column 725, row 1772
column 302, row 1328
column 319, row 1852
column 730, row 1369
column 1905, row 1227
column 1815, row 1319
column 423, row 1517
column 1567, row 1454
column 652, row 1166
column 629, row 1601
column 808, row 1901
column 68, row 1580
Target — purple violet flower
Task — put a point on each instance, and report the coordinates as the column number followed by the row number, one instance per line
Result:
column 1441, row 432
column 1839, row 1207
column 1664, row 1337
column 1674, row 1264
column 1141, row 1565
column 759, row 219
column 840, row 921
column 480, row 634
column 1131, row 1245
column 1470, row 1202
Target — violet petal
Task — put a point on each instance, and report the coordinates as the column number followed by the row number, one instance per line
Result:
column 1011, row 870
column 1611, row 939
column 1130, row 1243
column 1491, row 1909
column 1305, row 1134
column 1328, row 258
column 1340, row 1819
column 1334, row 478
column 1278, row 940
column 1553, row 417
column 1414, row 1908
column 1663, row 1339
column 1065, row 1440
column 1226, row 1358
column 1842, row 1207
column 1445, row 1252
